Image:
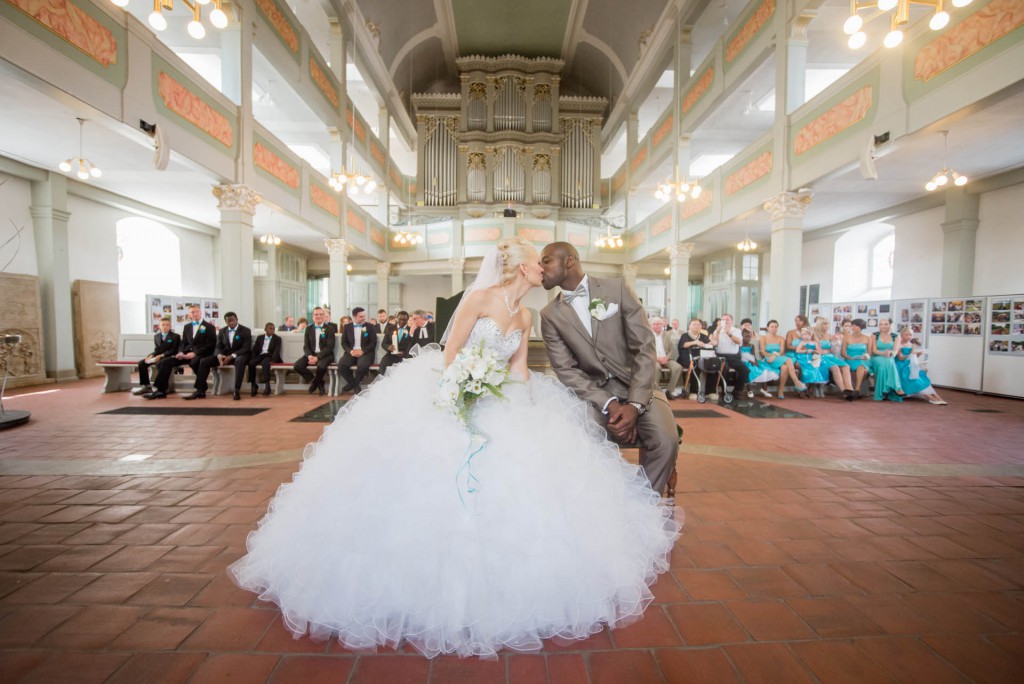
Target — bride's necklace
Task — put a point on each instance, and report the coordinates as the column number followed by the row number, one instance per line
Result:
column 512, row 311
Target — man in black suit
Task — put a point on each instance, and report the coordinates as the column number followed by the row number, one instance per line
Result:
column 165, row 344
column 317, row 350
column 234, row 342
column 381, row 323
column 198, row 342
column 396, row 342
column 289, row 324
column 421, row 328
column 266, row 349
column 359, row 341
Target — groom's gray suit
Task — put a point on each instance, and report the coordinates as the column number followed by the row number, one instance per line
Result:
column 617, row 360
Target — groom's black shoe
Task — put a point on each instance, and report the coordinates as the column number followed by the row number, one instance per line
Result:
column 312, row 387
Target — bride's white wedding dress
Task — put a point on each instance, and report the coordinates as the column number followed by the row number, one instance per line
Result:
column 386, row 534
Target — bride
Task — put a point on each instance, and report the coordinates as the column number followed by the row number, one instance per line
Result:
column 544, row 532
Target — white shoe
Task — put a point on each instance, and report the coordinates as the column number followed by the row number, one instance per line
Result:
column 765, row 393
column 693, row 397
column 750, row 394
column 141, row 390
column 713, row 396
column 937, row 402
column 675, row 394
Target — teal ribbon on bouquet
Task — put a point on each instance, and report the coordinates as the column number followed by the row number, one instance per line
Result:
column 476, row 445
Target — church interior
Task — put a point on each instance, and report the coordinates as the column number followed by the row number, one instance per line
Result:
column 833, row 159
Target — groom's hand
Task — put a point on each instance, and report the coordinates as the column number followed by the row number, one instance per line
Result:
column 622, row 421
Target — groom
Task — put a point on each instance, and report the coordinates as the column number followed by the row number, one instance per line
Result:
column 601, row 347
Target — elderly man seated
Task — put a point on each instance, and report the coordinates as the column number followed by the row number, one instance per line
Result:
column 665, row 351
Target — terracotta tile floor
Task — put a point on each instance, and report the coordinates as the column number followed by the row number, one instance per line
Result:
column 869, row 543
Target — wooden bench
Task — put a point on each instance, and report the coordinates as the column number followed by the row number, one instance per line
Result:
column 130, row 349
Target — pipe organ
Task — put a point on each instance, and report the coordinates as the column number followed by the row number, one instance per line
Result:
column 509, row 137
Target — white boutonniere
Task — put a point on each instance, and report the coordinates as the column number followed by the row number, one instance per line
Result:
column 202, row 328
column 600, row 311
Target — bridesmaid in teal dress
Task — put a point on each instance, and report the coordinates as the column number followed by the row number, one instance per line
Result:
column 807, row 349
column 857, row 353
column 835, row 366
column 883, row 364
column 920, row 384
column 771, row 353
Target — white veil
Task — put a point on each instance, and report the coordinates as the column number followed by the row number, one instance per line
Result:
column 489, row 275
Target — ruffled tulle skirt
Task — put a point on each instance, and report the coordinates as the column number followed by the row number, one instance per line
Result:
column 397, row 528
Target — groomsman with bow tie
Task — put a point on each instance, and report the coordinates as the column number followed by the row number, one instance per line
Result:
column 165, row 345
column 198, row 341
column 317, row 350
column 397, row 341
column 265, row 351
column 359, row 341
column 234, row 342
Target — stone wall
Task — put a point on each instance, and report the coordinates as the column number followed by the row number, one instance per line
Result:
column 20, row 314
column 97, row 324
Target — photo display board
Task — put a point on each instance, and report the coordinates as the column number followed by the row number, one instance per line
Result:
column 959, row 317
column 1006, row 325
column 869, row 311
column 158, row 306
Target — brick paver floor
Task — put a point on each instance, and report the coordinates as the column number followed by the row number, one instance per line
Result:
column 866, row 543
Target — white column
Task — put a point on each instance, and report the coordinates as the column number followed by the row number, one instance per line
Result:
column 50, row 231
column 959, row 232
column 337, row 295
column 237, row 205
column 787, row 211
column 383, row 271
column 679, row 281
column 457, row 264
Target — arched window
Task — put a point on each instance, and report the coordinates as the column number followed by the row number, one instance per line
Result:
column 148, row 262
column 881, row 262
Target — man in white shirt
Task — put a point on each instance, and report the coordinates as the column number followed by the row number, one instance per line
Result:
column 727, row 340
column 666, row 354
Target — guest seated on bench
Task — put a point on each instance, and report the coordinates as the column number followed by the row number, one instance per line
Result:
column 317, row 350
column 359, row 341
column 265, row 351
column 198, row 342
column 289, row 324
column 421, row 327
column 397, row 342
column 234, row 342
column 165, row 345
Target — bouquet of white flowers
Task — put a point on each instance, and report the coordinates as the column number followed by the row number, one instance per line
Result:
column 474, row 373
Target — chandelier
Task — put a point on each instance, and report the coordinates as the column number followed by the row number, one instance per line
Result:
column 86, row 169
column 609, row 241
column 407, row 238
column 680, row 189
column 218, row 17
column 270, row 239
column 898, row 20
column 746, row 245
column 945, row 174
column 354, row 178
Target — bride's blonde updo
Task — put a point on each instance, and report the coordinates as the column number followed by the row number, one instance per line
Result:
column 512, row 252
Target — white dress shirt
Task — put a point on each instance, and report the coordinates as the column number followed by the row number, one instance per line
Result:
column 581, row 305
column 659, row 345
column 728, row 342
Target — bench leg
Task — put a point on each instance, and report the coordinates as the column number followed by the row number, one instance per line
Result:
column 280, row 375
column 117, row 379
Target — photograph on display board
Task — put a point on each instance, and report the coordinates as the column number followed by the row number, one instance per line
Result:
column 960, row 316
column 1006, row 326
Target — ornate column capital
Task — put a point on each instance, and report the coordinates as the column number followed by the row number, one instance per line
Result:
column 240, row 197
column 681, row 250
column 457, row 263
column 788, row 205
column 383, row 269
column 338, row 248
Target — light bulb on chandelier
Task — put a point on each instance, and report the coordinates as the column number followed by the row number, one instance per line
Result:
column 609, row 241
column 407, row 238
column 681, row 190
column 945, row 175
column 898, row 22
column 195, row 28
column 85, row 169
column 270, row 239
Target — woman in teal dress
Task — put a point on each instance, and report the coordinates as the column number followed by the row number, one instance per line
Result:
column 833, row 365
column 913, row 380
column 808, row 356
column 857, row 353
column 883, row 363
column 793, row 336
column 771, row 353
column 760, row 372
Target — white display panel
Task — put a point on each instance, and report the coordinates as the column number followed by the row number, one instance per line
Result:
column 956, row 361
column 913, row 313
column 1004, row 346
column 158, row 306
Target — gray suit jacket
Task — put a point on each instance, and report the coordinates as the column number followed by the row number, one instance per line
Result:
column 622, row 346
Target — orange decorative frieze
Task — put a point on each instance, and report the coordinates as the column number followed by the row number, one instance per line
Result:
column 754, row 170
column 483, row 234
column 355, row 221
column 636, row 239
column 750, row 28
column 73, row 24
column 323, row 82
column 578, row 239
column 698, row 89
column 396, row 176
column 637, row 160
column 377, row 152
column 282, row 27
column 264, row 158
column 536, row 234
column 835, row 120
column 324, row 199
column 976, row 32
column 618, row 180
column 692, row 207
column 438, row 239
column 189, row 106
column 661, row 225
column 377, row 235
column 664, row 129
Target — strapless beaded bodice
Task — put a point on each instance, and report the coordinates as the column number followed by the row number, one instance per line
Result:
column 487, row 331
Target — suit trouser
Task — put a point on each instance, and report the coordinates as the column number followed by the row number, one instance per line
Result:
column 655, row 430
column 164, row 370
column 675, row 371
column 301, row 367
column 362, row 365
column 144, row 367
column 256, row 361
column 390, row 360
column 735, row 362
column 202, row 367
column 239, row 363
